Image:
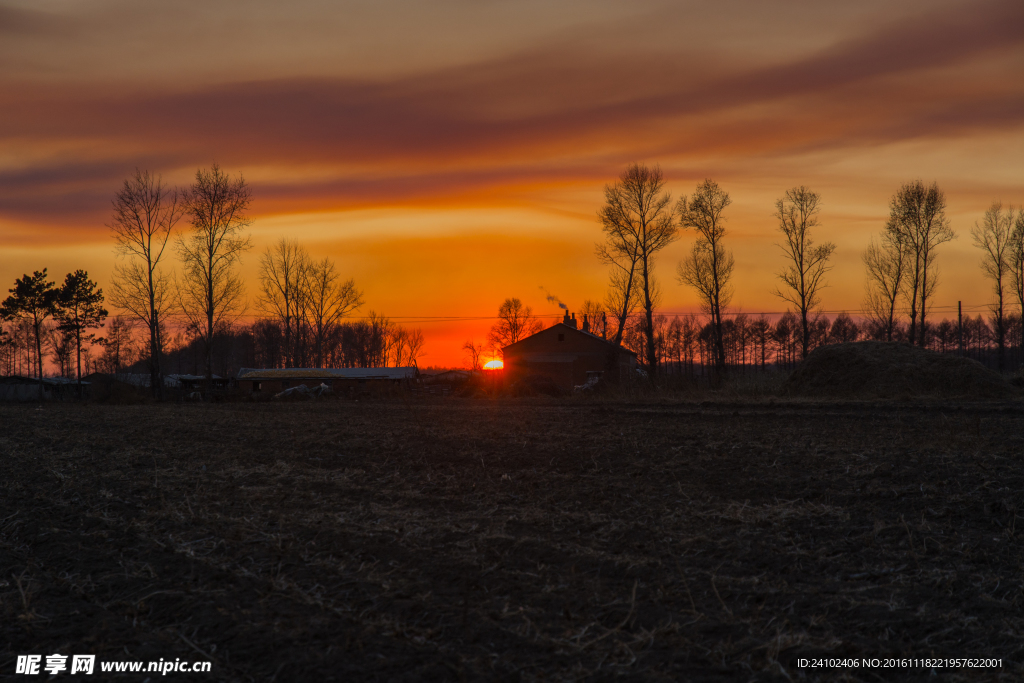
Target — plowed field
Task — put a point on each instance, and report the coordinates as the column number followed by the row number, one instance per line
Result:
column 514, row 540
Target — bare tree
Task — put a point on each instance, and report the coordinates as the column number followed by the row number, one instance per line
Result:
column 1017, row 265
column 413, row 347
column 918, row 213
column 6, row 349
column 622, row 301
column 623, row 283
column 708, row 269
column 406, row 345
column 145, row 214
column 797, row 212
column 515, row 322
column 994, row 236
column 283, row 274
column 327, row 300
column 399, row 344
column 760, row 330
column 381, row 331
column 595, row 319
column 886, row 265
column 473, row 351
column 62, row 346
column 638, row 223
column 844, row 329
column 119, row 344
column 210, row 294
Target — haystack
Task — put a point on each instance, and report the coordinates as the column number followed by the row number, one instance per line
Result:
column 872, row 369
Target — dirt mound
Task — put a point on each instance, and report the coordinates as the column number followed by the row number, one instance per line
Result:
column 874, row 369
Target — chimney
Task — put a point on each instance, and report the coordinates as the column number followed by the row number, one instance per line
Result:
column 566, row 321
column 586, row 324
column 573, row 323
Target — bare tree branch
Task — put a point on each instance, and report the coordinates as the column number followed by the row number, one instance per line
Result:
column 886, row 265
column 145, row 214
column 918, row 213
column 282, row 274
column 515, row 322
column 994, row 236
column 328, row 300
column 474, row 351
column 210, row 294
column 638, row 223
column 709, row 267
column 1016, row 259
column 797, row 213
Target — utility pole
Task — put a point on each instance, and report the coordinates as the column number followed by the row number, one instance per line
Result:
column 960, row 326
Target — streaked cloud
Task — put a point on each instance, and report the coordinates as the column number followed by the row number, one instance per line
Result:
column 523, row 110
column 540, row 116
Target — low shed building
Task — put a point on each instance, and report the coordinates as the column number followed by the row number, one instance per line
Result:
column 21, row 388
column 275, row 380
column 568, row 356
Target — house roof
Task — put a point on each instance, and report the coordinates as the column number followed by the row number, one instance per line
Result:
column 326, row 373
column 570, row 329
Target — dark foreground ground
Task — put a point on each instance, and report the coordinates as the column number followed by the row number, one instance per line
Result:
column 514, row 540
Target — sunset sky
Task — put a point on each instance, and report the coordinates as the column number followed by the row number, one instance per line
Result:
column 452, row 153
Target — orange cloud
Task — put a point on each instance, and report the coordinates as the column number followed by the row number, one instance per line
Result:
column 520, row 119
column 529, row 137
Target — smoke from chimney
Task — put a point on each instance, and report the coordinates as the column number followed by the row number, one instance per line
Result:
column 552, row 299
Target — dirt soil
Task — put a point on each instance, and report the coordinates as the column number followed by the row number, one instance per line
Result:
column 890, row 370
column 514, row 540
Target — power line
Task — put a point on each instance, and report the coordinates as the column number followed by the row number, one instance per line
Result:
column 967, row 308
column 429, row 319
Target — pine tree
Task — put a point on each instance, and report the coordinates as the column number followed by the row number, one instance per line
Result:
column 79, row 309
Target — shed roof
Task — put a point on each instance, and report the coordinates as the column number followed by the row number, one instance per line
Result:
column 326, row 373
column 143, row 379
column 51, row 381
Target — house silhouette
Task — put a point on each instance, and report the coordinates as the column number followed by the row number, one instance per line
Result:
column 568, row 356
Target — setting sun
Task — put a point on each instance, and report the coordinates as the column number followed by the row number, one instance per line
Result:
column 494, row 365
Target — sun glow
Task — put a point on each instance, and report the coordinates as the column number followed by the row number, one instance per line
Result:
column 494, row 365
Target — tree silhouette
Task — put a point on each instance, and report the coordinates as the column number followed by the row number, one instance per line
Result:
column 918, row 214
column 797, row 213
column 1016, row 260
column 709, row 266
column 33, row 299
column 886, row 265
column 515, row 322
column 638, row 223
column 473, row 351
column 79, row 308
column 994, row 236
column 145, row 213
column 328, row 300
column 210, row 293
column 282, row 274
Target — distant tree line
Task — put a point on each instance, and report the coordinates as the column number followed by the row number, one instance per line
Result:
column 374, row 341
column 639, row 220
column 50, row 318
column 191, row 318
column 685, row 345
